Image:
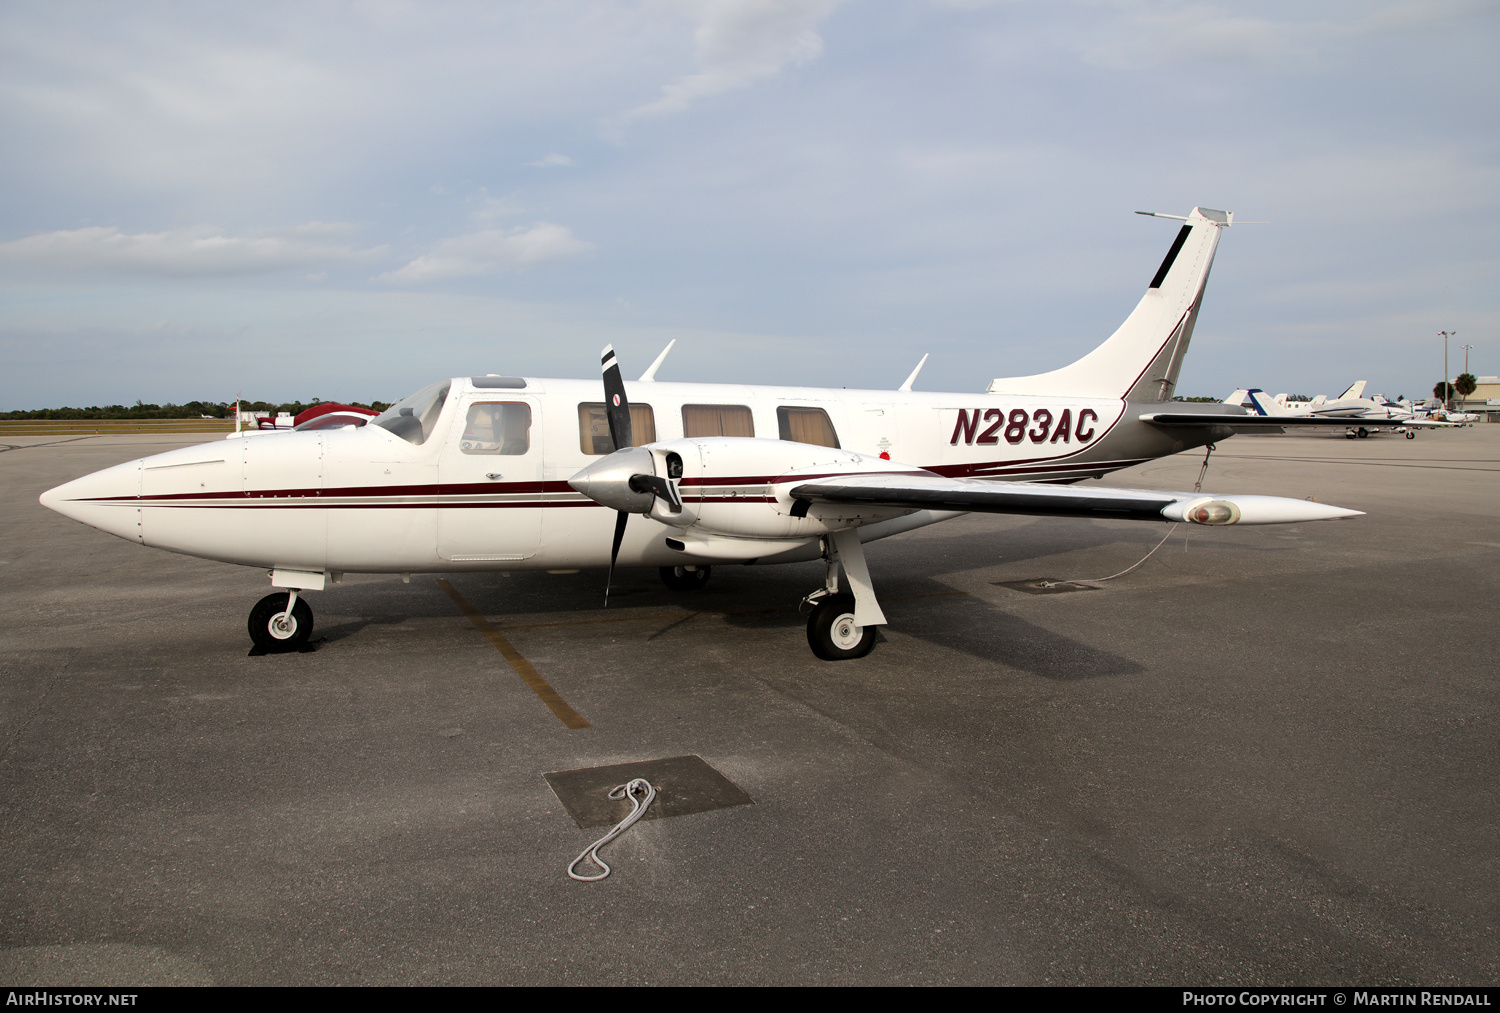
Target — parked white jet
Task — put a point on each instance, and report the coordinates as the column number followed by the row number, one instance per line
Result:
column 512, row 473
column 1360, row 414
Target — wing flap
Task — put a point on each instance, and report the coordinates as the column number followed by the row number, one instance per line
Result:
column 920, row 492
column 936, row 492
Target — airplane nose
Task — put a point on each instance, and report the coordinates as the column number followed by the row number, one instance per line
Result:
column 108, row 500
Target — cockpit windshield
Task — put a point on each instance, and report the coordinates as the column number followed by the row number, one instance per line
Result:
column 413, row 418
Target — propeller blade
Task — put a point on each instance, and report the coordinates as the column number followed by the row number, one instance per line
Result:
column 616, row 405
column 614, row 551
column 660, row 486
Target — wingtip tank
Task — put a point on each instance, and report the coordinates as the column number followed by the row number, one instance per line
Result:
column 1218, row 510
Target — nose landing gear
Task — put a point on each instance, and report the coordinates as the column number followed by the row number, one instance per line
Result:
column 281, row 622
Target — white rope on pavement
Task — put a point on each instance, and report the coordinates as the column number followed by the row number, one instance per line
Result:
column 631, row 790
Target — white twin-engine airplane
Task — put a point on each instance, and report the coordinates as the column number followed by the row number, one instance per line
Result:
column 519, row 473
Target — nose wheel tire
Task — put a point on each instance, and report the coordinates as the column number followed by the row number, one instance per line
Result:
column 832, row 634
column 1411, row 436
column 273, row 630
column 681, row 578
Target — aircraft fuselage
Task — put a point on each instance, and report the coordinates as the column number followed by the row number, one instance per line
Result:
column 367, row 500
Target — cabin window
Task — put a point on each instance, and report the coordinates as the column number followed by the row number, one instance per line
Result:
column 413, row 418
column 806, row 425
column 593, row 428
column 497, row 427
column 716, row 420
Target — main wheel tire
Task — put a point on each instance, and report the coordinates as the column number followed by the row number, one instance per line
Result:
column 275, row 637
column 680, row 578
column 1363, row 433
column 831, row 632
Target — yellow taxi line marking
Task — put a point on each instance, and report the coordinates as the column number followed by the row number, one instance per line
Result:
column 544, row 691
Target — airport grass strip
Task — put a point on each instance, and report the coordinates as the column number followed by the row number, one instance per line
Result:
column 544, row 691
column 109, row 427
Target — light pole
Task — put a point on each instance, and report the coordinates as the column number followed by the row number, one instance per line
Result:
column 1447, row 400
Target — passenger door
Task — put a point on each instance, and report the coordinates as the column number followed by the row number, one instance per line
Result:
column 490, row 481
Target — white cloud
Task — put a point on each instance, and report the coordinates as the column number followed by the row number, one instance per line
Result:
column 491, row 251
column 492, row 209
column 180, row 252
column 738, row 42
column 553, row 161
column 1155, row 33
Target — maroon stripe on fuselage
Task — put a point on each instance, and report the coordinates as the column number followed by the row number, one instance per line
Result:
column 435, row 496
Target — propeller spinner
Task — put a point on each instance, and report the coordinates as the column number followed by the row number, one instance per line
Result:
column 625, row 480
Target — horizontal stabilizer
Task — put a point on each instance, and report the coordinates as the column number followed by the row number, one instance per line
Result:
column 1263, row 422
column 936, row 492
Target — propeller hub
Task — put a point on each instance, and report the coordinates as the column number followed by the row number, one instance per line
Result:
column 607, row 481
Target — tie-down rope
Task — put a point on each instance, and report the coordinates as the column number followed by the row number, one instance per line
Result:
column 1197, row 487
column 640, row 786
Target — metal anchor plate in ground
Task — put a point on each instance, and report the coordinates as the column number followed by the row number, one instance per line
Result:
column 684, row 785
column 1043, row 585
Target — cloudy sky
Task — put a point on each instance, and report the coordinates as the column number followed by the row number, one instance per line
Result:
column 344, row 200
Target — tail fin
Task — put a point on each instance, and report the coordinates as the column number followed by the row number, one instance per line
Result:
column 1237, row 397
column 1142, row 359
column 1320, row 400
column 1356, row 389
column 1265, row 405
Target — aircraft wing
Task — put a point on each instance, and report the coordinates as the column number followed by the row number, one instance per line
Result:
column 936, row 492
column 1265, row 422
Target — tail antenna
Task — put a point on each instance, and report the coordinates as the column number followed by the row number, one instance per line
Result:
column 1183, row 218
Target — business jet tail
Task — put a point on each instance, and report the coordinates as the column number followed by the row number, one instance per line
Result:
column 1267, row 405
column 1142, row 359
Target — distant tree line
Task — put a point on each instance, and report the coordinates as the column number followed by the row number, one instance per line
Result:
column 191, row 410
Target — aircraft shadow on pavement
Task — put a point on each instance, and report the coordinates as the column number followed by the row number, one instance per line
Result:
column 981, row 630
column 1043, row 538
column 344, row 630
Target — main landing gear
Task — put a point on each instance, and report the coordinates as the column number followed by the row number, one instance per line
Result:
column 685, row 578
column 832, row 632
column 281, row 622
column 842, row 626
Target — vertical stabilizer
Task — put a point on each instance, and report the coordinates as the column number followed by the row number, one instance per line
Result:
column 1142, row 359
column 1265, row 405
column 1356, row 390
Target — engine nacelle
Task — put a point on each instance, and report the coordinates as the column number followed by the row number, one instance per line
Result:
column 740, row 487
